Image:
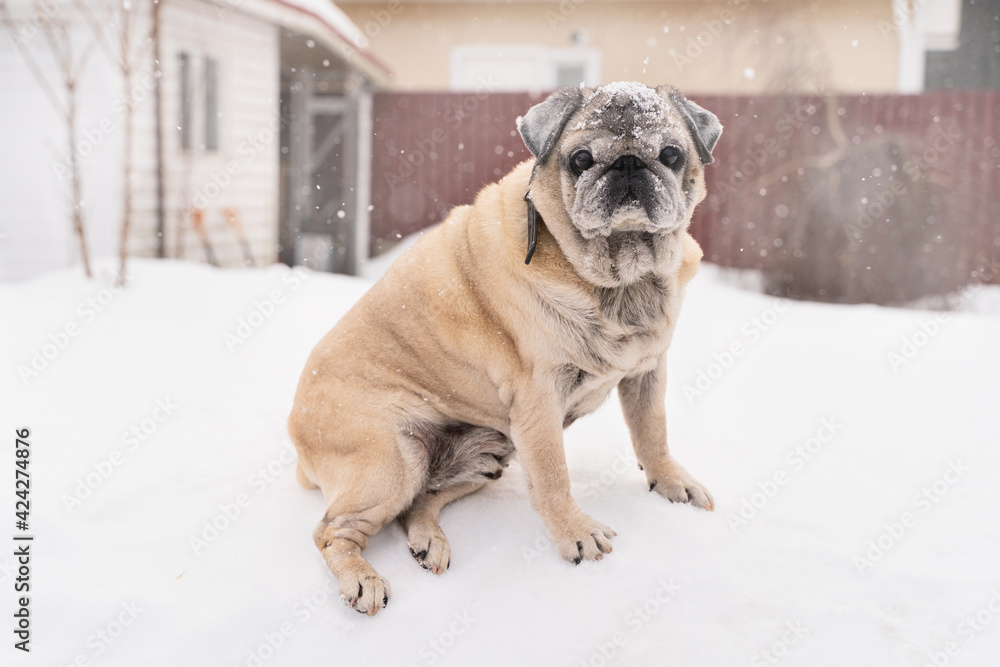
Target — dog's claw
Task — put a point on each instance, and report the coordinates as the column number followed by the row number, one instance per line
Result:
column 371, row 595
column 583, row 539
column 434, row 556
column 675, row 484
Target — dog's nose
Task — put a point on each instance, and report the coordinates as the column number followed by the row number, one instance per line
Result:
column 629, row 163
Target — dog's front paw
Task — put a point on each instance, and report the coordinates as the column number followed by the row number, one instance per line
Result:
column 365, row 593
column 581, row 538
column 677, row 485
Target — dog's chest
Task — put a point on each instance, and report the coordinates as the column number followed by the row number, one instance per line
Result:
column 601, row 338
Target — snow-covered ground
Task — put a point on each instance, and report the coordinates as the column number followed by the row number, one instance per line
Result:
column 852, row 452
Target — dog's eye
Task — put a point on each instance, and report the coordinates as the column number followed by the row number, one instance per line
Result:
column 672, row 157
column 582, row 160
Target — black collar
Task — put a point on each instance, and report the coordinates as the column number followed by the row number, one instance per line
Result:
column 533, row 219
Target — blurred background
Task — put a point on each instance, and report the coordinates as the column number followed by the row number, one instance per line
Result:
column 858, row 163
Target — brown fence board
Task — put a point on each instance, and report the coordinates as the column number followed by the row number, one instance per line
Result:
column 433, row 151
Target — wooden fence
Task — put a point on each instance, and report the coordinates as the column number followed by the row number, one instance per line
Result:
column 847, row 198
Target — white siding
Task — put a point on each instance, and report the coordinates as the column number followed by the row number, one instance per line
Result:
column 248, row 53
column 35, row 229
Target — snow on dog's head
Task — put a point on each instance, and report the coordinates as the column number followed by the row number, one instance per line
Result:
column 630, row 166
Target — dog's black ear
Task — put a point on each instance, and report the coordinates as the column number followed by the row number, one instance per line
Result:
column 703, row 125
column 541, row 126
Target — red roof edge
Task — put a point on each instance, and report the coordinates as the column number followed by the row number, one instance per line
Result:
column 347, row 40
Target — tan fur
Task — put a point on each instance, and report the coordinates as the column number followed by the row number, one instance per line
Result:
column 461, row 332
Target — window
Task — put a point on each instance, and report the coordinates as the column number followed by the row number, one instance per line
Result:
column 533, row 68
column 961, row 41
column 187, row 101
column 211, row 104
column 199, row 92
column 570, row 75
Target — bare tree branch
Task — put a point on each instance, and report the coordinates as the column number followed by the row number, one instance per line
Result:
column 29, row 59
column 122, row 53
column 58, row 40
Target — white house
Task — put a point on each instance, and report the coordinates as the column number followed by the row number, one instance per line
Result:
column 245, row 142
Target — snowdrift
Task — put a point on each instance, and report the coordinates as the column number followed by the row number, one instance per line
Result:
column 852, row 452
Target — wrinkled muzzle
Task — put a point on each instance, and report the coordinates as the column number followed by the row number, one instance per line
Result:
column 627, row 197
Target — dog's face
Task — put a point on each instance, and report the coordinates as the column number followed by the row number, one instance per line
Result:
column 627, row 161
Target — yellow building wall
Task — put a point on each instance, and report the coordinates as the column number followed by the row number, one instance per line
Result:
column 714, row 46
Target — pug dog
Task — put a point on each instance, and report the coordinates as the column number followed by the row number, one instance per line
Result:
column 505, row 324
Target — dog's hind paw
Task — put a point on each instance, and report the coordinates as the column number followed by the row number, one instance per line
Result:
column 430, row 548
